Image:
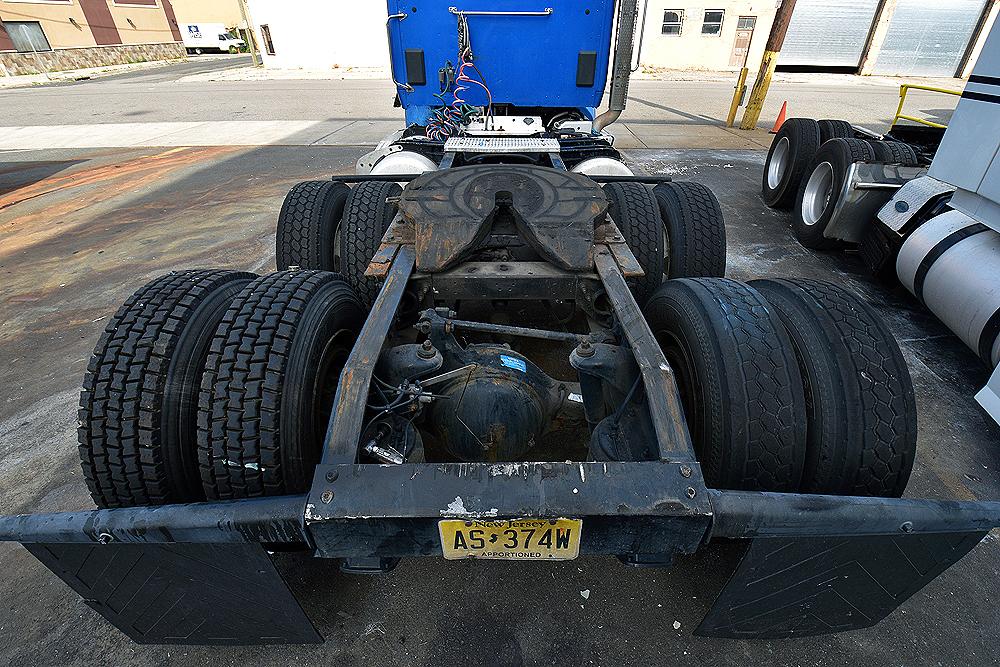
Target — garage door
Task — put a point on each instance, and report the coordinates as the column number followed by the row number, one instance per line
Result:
column 828, row 34
column 928, row 38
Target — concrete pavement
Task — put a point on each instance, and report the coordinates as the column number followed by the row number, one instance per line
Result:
column 168, row 106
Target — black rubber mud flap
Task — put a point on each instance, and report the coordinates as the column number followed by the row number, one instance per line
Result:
column 223, row 594
column 797, row 587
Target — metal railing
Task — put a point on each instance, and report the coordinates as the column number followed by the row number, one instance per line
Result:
column 906, row 87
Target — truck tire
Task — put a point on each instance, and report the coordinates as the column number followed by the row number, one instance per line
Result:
column 367, row 216
column 695, row 230
column 862, row 425
column 307, row 226
column 269, row 383
column 788, row 160
column 818, row 193
column 834, row 129
column 739, row 383
column 636, row 211
column 138, row 407
column 895, row 152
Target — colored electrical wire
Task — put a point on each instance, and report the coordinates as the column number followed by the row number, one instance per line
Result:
column 448, row 119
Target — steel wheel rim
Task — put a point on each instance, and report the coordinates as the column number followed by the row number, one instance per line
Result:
column 778, row 165
column 818, row 193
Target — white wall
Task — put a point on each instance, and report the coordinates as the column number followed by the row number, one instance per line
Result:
column 693, row 50
column 320, row 34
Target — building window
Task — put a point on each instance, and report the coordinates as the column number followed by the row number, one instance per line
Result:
column 746, row 23
column 673, row 19
column 265, row 32
column 27, row 36
column 712, row 25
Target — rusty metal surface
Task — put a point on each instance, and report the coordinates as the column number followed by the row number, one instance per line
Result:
column 661, row 386
column 347, row 416
column 452, row 210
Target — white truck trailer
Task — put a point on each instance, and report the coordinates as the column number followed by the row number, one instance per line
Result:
column 209, row 38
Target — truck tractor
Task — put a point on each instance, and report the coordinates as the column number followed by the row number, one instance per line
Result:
column 496, row 341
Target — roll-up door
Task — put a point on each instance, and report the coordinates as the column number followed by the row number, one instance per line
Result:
column 828, row 34
column 927, row 38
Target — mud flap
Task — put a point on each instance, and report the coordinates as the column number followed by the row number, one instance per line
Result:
column 796, row 587
column 224, row 594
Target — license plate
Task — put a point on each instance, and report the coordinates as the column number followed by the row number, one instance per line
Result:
column 514, row 539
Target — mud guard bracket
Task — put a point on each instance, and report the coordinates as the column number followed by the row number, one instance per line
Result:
column 796, row 587
column 222, row 594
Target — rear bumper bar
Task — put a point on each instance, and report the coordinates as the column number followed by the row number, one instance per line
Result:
column 815, row 564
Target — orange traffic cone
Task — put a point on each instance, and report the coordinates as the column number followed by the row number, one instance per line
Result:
column 781, row 118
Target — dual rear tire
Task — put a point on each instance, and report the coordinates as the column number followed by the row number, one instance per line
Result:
column 675, row 230
column 327, row 226
column 211, row 385
column 790, row 386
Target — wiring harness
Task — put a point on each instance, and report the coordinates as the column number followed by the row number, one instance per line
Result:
column 448, row 119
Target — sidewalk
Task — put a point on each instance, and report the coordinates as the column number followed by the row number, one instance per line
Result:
column 644, row 74
column 330, row 133
column 24, row 80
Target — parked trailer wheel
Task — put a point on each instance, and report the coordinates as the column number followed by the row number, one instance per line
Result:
column 895, row 152
column 636, row 211
column 862, row 424
column 788, row 160
column 818, row 193
column 138, row 407
column 269, row 383
column 834, row 129
column 695, row 230
column 739, row 383
column 367, row 216
column 307, row 226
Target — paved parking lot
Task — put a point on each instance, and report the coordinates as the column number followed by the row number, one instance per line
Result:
column 81, row 229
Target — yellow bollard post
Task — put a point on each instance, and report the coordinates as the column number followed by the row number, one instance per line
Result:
column 741, row 86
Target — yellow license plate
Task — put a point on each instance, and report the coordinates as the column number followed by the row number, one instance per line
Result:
column 514, row 539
